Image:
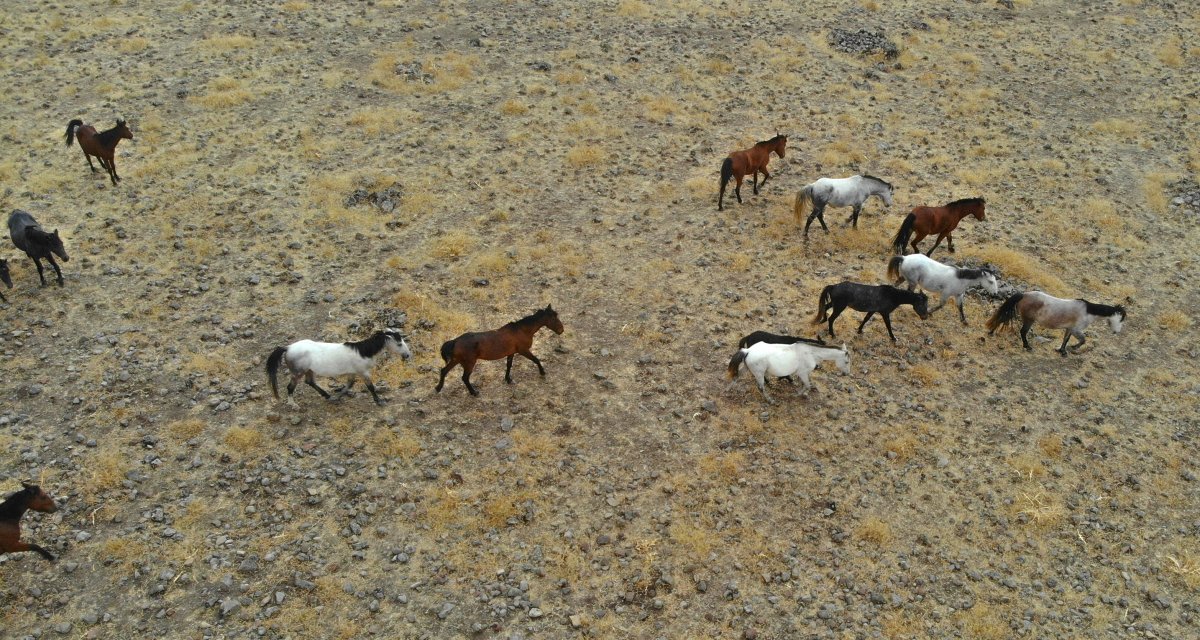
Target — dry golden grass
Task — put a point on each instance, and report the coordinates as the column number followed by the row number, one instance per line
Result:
column 1174, row 320
column 227, row 43
column 727, row 466
column 840, row 153
column 1183, row 567
column 874, row 531
column 184, row 430
column 1051, row 446
column 633, row 9
column 105, row 470
column 903, row 446
column 1171, row 52
column 133, row 44
column 124, row 553
column 982, row 622
column 1015, row 264
column 1027, row 466
column 925, row 373
column 376, row 120
column 513, row 107
column 243, row 440
column 698, row 541
column 455, row 244
column 223, row 93
column 585, row 155
column 1117, row 128
column 1040, row 509
column 1154, row 188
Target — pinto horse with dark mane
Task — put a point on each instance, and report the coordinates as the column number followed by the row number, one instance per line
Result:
column 101, row 144
column 505, row 342
column 749, row 161
column 30, row 497
column 927, row 221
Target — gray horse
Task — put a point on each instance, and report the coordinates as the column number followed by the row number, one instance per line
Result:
column 839, row 192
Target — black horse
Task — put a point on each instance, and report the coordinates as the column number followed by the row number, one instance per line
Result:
column 5, row 278
column 28, row 236
column 882, row 299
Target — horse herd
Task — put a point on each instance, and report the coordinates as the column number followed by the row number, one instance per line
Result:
column 763, row 354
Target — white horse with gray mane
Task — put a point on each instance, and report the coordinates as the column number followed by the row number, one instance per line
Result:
column 780, row 360
column 307, row 358
column 935, row 277
column 840, row 192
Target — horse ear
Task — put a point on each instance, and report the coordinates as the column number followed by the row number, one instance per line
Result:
column 548, row 307
column 27, row 484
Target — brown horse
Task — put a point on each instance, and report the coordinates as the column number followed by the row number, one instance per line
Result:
column 752, row 160
column 102, row 145
column 11, row 510
column 926, row 221
column 513, row 338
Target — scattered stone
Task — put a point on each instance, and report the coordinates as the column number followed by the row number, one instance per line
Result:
column 863, row 42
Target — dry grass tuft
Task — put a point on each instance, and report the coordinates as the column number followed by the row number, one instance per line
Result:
column 376, row 120
column 132, row 45
column 227, row 43
column 902, row 447
column 728, row 466
column 184, row 430
column 585, row 155
column 984, row 623
column 1185, row 567
column 1117, row 128
column 875, row 531
column 1154, row 188
column 243, row 440
column 223, row 93
column 1051, row 446
column 1040, row 509
column 925, row 373
column 1171, row 52
column 106, row 470
column 1027, row 466
column 1022, row 266
column 455, row 244
column 1174, row 320
column 699, row 541
column 633, row 9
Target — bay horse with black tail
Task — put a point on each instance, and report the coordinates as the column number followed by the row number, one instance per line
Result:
column 307, row 358
column 882, row 299
column 749, row 161
column 5, row 278
column 927, row 221
column 505, row 342
column 1056, row 313
column 28, row 236
column 30, row 497
column 101, row 144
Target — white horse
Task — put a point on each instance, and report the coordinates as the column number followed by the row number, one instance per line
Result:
column 840, row 192
column 779, row 360
column 931, row 275
column 307, row 358
column 1056, row 313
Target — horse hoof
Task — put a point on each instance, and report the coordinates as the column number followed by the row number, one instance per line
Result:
column 380, row 403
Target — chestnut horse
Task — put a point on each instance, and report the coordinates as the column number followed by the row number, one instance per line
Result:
column 11, row 510
column 102, row 145
column 513, row 338
column 926, row 221
column 752, row 160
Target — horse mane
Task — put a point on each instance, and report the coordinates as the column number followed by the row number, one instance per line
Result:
column 966, row 201
column 370, row 347
column 529, row 319
column 13, row 504
column 777, row 138
column 969, row 274
column 1104, row 310
column 885, row 182
column 109, row 137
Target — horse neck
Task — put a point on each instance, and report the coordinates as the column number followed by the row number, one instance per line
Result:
column 371, row 347
column 14, row 507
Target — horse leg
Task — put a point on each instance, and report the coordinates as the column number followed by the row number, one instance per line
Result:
column 57, row 271
column 761, row 381
column 837, row 311
column 766, row 176
column 41, row 275
column 508, row 370
column 940, row 305
column 865, row 319
column 1024, row 333
column 442, row 379
column 805, row 377
column 1062, row 349
column 1078, row 334
column 887, row 322
column 371, row 388
column 950, row 242
column 291, row 388
column 853, row 218
column 935, row 245
column 344, row 391
column 87, row 156
column 29, row 546
column 468, row 367
column 917, row 237
column 529, row 354
column 962, row 316
column 112, row 170
column 310, row 381
column 737, row 189
column 754, row 182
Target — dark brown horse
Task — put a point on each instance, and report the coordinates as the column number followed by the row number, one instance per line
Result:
column 102, row 145
column 513, row 338
column 752, row 160
column 11, row 510
column 5, row 278
column 926, row 221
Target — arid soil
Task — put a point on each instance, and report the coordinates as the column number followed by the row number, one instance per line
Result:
column 321, row 170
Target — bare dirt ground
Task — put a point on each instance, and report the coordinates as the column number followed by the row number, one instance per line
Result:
column 318, row 170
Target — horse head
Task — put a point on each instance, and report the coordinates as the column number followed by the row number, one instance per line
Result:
column 782, row 148
column 552, row 320
column 921, row 306
column 397, row 344
column 1116, row 321
column 843, row 360
column 989, row 282
column 123, row 129
column 39, row 500
column 56, row 246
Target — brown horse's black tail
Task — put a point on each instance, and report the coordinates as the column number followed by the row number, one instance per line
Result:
column 273, row 361
column 736, row 361
column 823, row 304
column 71, row 130
column 1005, row 313
column 726, row 174
column 905, row 232
column 894, row 268
column 448, row 350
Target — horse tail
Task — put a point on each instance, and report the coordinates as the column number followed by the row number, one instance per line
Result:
column 905, row 232
column 273, row 361
column 71, row 130
column 1005, row 313
column 825, row 301
column 736, row 361
column 726, row 174
column 894, row 267
column 448, row 350
column 803, row 202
